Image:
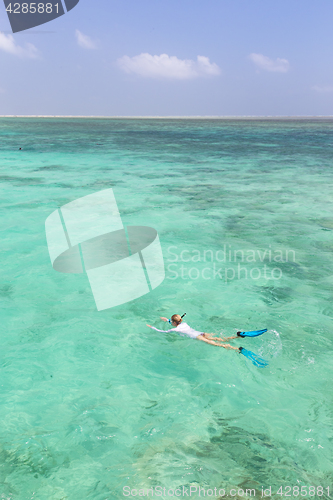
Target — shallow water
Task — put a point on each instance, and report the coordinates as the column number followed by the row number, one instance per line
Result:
column 95, row 401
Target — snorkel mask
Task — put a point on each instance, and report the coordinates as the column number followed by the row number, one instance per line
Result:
column 180, row 318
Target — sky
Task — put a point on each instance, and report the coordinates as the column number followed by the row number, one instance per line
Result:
column 172, row 58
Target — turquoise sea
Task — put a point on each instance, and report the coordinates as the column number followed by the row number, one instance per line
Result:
column 92, row 402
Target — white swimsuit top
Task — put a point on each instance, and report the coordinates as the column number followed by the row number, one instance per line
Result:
column 184, row 329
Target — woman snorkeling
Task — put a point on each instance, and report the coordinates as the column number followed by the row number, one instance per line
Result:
column 179, row 326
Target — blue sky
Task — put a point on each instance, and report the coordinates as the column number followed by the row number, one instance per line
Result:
column 140, row 58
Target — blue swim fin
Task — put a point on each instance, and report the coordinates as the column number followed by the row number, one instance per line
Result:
column 251, row 334
column 256, row 360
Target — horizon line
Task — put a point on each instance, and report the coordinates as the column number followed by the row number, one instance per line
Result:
column 181, row 117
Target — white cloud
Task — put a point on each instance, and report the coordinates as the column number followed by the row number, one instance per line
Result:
column 264, row 62
column 8, row 44
column 168, row 67
column 324, row 88
column 85, row 41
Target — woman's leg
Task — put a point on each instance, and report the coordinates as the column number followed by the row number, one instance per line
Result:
column 212, row 342
column 210, row 336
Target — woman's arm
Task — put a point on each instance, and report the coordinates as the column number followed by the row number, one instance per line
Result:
column 163, row 331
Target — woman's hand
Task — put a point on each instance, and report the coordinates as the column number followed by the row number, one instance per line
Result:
column 149, row 326
column 164, row 319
